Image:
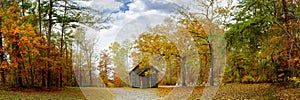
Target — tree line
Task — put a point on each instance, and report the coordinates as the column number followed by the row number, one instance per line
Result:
column 255, row 41
column 44, row 43
column 37, row 39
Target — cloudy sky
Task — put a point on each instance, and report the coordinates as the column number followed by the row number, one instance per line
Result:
column 132, row 17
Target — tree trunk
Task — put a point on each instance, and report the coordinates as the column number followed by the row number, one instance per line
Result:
column 80, row 76
column 61, row 44
column 49, row 42
column 40, row 34
column 211, row 71
column 19, row 71
column 183, row 70
column 31, row 72
column 72, row 78
column 91, row 81
column 32, row 77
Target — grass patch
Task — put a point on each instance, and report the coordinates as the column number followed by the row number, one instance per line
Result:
column 69, row 93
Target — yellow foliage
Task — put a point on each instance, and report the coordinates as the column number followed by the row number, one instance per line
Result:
column 296, row 80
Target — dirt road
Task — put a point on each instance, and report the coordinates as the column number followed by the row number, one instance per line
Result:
column 134, row 94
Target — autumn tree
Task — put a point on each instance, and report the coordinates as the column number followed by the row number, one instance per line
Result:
column 154, row 43
column 206, row 21
column 104, row 68
column 3, row 9
column 37, row 39
column 21, row 44
column 173, row 44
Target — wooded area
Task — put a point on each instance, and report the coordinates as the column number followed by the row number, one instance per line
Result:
column 44, row 44
column 256, row 40
column 38, row 39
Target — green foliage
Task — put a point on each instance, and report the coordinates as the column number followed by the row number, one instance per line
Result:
column 248, row 79
column 259, row 42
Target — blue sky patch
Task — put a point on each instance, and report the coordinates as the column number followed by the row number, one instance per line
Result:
column 123, row 8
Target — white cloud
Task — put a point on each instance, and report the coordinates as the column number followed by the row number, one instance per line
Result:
column 106, row 4
column 140, row 24
column 137, row 6
column 142, row 14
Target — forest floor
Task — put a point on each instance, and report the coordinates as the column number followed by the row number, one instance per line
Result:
column 69, row 93
column 262, row 91
column 230, row 91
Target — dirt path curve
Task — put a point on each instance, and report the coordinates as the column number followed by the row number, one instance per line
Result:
column 134, row 94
